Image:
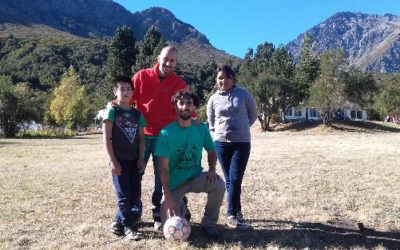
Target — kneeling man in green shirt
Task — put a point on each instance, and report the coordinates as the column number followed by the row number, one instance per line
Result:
column 179, row 148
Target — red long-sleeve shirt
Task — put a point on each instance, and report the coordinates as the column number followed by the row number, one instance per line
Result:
column 153, row 97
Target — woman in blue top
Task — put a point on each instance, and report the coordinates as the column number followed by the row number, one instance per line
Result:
column 231, row 111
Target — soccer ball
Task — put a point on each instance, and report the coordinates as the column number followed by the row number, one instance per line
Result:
column 176, row 228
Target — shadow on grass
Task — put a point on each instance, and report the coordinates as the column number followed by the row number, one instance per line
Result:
column 288, row 234
column 357, row 126
column 344, row 126
column 5, row 143
column 299, row 126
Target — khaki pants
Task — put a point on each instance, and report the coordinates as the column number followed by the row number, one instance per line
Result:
column 199, row 184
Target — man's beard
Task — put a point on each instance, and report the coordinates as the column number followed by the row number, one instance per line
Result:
column 184, row 115
column 165, row 70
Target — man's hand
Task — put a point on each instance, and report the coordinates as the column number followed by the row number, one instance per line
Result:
column 170, row 207
column 212, row 177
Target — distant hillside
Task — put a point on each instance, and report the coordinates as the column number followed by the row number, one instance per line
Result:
column 100, row 18
column 371, row 42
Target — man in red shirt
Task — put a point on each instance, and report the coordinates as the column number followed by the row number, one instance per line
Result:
column 154, row 88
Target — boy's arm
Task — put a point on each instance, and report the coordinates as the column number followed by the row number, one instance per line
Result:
column 141, row 164
column 107, row 132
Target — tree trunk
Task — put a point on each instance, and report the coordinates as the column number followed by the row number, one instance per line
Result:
column 265, row 119
column 327, row 119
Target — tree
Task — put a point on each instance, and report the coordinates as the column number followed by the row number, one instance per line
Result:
column 360, row 87
column 265, row 93
column 69, row 105
column 149, row 49
column 254, row 75
column 387, row 101
column 78, row 110
column 307, row 69
column 18, row 104
column 121, row 57
column 328, row 95
column 281, row 67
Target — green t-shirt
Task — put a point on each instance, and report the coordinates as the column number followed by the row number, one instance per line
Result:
column 109, row 114
column 125, row 135
column 183, row 147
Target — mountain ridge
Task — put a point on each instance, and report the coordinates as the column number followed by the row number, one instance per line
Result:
column 100, row 19
column 369, row 41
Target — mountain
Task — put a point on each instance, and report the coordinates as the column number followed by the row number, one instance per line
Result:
column 100, row 18
column 371, row 42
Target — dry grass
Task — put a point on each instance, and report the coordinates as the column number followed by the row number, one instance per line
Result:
column 303, row 189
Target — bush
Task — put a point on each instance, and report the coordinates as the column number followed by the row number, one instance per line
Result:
column 48, row 133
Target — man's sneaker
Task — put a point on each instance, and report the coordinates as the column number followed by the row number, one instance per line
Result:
column 233, row 222
column 132, row 234
column 211, row 231
column 117, row 228
column 157, row 223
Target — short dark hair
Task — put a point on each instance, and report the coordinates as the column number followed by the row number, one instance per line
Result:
column 227, row 70
column 185, row 94
column 121, row 79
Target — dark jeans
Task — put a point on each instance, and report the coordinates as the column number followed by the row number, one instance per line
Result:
column 150, row 146
column 127, row 188
column 233, row 157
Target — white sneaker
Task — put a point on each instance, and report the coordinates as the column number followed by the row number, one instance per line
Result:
column 132, row 234
column 157, row 225
column 234, row 223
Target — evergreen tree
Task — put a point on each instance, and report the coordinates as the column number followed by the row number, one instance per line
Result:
column 307, row 69
column 121, row 58
column 149, row 49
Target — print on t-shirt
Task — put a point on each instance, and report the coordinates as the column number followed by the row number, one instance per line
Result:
column 127, row 125
column 186, row 157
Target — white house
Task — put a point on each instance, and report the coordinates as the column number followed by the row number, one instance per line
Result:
column 349, row 111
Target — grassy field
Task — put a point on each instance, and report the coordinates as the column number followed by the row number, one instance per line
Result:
column 304, row 188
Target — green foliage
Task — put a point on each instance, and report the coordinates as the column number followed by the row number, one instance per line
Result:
column 307, row 68
column 42, row 62
column 360, row 87
column 269, row 76
column 121, row 58
column 328, row 93
column 387, row 101
column 149, row 49
column 122, row 53
column 47, row 133
column 18, row 104
column 78, row 110
column 70, row 105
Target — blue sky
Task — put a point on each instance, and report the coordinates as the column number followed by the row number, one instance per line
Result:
column 236, row 25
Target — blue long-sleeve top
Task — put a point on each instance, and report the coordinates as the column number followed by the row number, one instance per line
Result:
column 230, row 114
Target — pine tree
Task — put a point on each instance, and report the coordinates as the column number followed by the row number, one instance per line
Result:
column 121, row 57
column 149, row 49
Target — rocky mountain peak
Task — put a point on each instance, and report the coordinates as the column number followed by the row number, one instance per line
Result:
column 369, row 41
